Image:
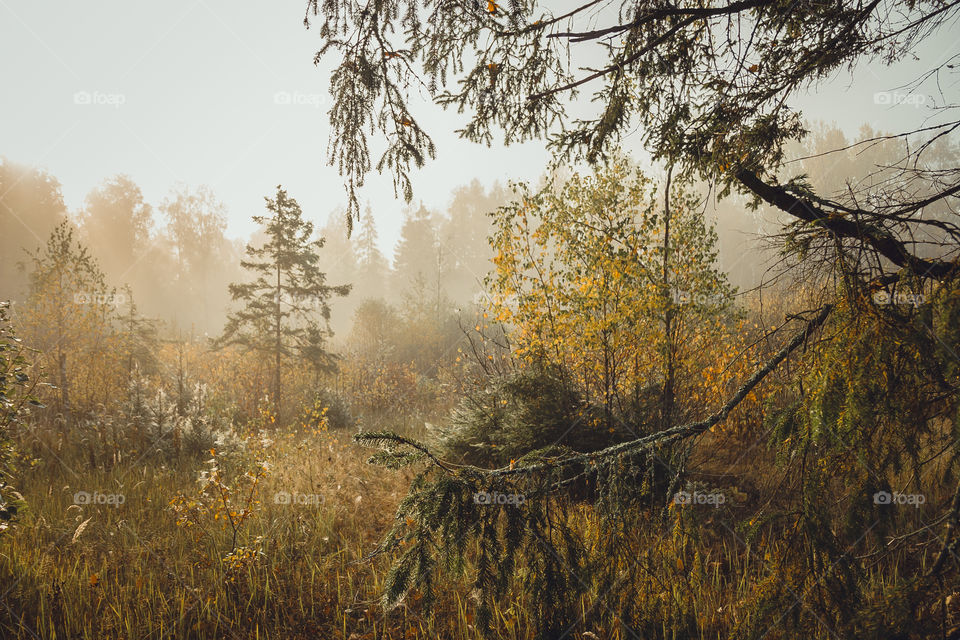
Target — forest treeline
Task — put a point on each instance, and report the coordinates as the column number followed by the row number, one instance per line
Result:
column 99, row 315
column 178, row 260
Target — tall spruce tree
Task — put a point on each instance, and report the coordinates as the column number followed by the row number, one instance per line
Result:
column 373, row 268
column 416, row 259
column 285, row 309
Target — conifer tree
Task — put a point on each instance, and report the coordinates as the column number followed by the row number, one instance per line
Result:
column 416, row 259
column 710, row 88
column 139, row 337
column 285, row 309
column 372, row 265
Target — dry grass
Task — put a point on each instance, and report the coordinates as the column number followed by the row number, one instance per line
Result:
column 99, row 571
column 129, row 571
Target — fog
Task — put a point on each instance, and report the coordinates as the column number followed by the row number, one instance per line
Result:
column 704, row 385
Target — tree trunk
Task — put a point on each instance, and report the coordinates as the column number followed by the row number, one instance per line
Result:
column 277, row 348
column 667, row 401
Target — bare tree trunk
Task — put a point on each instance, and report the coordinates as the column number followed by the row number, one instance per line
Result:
column 667, row 401
column 277, row 346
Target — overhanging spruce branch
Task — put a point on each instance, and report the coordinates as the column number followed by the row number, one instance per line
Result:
column 620, row 65
column 660, row 438
column 661, row 14
column 542, row 24
column 881, row 240
column 391, row 441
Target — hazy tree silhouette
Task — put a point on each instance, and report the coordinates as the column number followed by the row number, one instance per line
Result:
column 31, row 205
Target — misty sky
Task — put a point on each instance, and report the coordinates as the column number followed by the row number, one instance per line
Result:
column 188, row 91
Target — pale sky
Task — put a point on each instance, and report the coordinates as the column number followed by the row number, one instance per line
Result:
column 186, row 91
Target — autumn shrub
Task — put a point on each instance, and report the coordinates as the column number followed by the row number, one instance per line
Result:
column 336, row 409
column 218, row 512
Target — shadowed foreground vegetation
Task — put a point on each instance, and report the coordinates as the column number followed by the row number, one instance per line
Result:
column 129, row 571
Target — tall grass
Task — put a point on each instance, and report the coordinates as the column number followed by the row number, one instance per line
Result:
column 95, row 571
